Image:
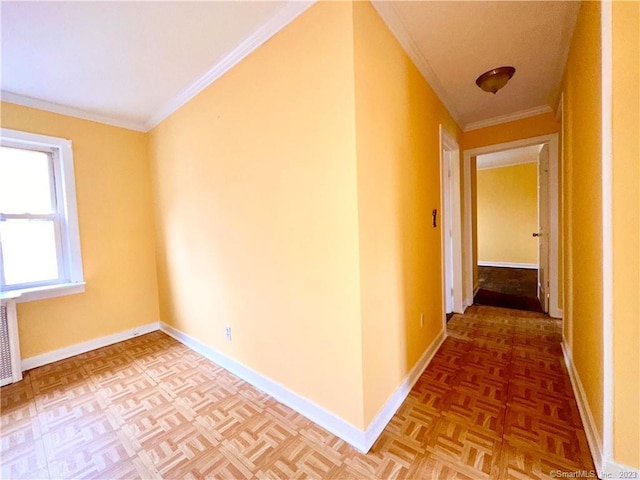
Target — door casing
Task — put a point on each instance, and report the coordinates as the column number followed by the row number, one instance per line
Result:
column 467, row 221
column 451, row 221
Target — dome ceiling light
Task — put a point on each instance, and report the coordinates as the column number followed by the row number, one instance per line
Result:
column 495, row 79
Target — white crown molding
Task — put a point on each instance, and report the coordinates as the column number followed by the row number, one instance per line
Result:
column 489, row 122
column 389, row 15
column 77, row 349
column 267, row 30
column 11, row 97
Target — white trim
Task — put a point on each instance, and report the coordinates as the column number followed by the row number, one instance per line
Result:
column 617, row 470
column 47, row 291
column 607, row 231
column 489, row 122
column 531, row 266
column 593, row 437
column 304, row 406
column 70, row 273
column 554, row 232
column 25, row 101
column 359, row 439
column 387, row 12
column 552, row 140
column 267, row 30
column 448, row 143
column 394, row 402
column 470, row 289
column 78, row 348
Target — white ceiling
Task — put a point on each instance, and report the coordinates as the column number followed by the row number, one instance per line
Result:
column 453, row 43
column 508, row 158
column 128, row 62
column 133, row 63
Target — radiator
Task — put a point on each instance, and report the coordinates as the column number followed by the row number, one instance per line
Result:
column 10, row 362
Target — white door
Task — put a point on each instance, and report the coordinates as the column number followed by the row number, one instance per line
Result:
column 543, row 227
column 447, row 227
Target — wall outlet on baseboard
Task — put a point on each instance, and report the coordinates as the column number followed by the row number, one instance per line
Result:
column 227, row 333
column 135, row 332
column 422, row 320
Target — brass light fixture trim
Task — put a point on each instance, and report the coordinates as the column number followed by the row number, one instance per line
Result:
column 495, row 79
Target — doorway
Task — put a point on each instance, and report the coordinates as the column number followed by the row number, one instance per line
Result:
column 509, row 219
column 542, row 236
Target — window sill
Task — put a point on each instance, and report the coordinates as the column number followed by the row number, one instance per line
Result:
column 41, row 293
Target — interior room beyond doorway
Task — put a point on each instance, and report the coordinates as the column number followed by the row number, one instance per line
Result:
column 507, row 186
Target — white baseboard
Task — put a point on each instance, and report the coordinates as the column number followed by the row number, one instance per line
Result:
column 606, row 467
column 555, row 312
column 331, row 422
column 78, row 348
column 359, row 439
column 612, row 469
column 593, row 437
column 531, row 266
column 390, row 408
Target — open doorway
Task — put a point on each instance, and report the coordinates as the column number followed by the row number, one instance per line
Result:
column 548, row 274
column 509, row 188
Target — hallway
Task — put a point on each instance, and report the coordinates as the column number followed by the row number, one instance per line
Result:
column 507, row 406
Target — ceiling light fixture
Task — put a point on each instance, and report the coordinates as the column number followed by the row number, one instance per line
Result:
column 495, row 79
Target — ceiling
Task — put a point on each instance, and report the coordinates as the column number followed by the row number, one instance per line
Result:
column 123, row 63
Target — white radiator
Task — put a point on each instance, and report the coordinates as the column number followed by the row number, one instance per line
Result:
column 10, row 362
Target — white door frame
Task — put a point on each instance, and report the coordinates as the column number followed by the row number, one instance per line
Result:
column 448, row 143
column 552, row 140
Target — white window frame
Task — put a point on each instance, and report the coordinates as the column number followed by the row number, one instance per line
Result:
column 71, row 278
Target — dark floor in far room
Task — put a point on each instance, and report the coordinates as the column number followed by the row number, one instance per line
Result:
column 508, row 287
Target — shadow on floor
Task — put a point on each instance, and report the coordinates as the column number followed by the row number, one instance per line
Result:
column 509, row 288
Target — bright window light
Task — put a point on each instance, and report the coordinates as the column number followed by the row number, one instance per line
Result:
column 39, row 240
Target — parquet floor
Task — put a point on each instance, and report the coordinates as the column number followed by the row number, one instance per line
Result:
column 495, row 402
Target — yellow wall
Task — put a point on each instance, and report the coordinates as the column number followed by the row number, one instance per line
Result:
column 535, row 126
column 626, row 231
column 116, row 234
column 507, row 213
column 257, row 220
column 397, row 118
column 582, row 189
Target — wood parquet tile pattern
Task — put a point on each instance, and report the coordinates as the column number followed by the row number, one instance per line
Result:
column 495, row 402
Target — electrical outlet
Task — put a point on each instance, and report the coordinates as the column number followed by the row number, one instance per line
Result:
column 135, row 332
column 421, row 320
column 227, row 333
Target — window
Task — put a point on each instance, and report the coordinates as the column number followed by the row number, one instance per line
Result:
column 39, row 240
